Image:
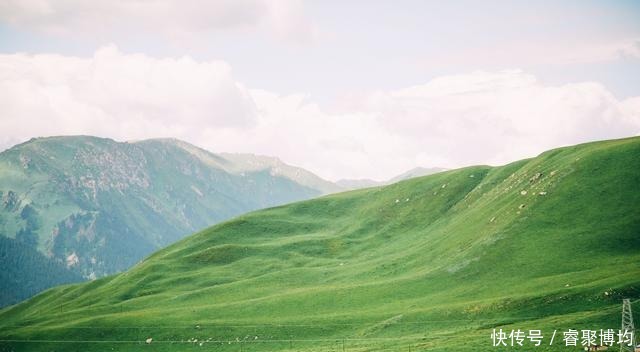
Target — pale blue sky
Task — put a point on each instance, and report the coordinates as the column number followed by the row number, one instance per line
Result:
column 368, row 45
column 338, row 70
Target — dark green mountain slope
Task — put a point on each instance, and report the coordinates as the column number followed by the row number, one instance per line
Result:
column 99, row 206
column 25, row 271
column 432, row 263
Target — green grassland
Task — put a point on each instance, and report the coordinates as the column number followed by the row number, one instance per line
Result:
column 433, row 263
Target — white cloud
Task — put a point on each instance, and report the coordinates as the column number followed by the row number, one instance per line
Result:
column 173, row 18
column 451, row 121
column 481, row 117
column 501, row 116
column 113, row 94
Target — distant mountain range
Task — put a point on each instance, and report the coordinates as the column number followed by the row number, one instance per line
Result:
column 364, row 183
column 84, row 207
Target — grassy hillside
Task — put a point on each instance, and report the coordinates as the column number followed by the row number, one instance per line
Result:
column 98, row 206
column 432, row 263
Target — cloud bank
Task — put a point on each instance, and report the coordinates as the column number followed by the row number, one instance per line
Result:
column 450, row 121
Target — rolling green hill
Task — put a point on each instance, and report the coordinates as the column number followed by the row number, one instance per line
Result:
column 432, row 263
column 98, row 206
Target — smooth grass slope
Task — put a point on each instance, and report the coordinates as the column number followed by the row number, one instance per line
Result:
column 433, row 263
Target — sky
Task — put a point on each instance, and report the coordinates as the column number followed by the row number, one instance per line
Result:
column 355, row 89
